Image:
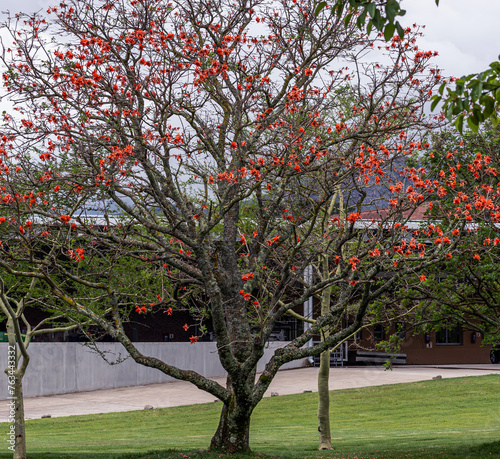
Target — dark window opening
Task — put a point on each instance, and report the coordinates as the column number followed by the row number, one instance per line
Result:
column 378, row 332
column 449, row 335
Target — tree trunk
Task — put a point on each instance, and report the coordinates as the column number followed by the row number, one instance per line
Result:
column 232, row 434
column 15, row 372
column 325, row 437
column 19, row 428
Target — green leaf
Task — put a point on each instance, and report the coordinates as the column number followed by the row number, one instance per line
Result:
column 489, row 106
column 338, row 8
column 361, row 20
column 495, row 66
column 494, row 119
column 477, row 114
column 371, row 8
column 369, row 27
column 441, row 88
column 401, row 32
column 378, row 21
column 391, row 10
column 435, row 100
column 319, row 8
column 347, row 19
column 497, row 96
column 458, row 106
column 449, row 110
column 473, row 124
column 459, row 123
column 389, row 31
column 491, row 85
column 477, row 88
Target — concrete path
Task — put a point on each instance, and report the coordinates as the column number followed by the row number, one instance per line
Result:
column 183, row 393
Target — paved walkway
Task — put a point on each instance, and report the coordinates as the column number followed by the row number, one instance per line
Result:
column 183, row 393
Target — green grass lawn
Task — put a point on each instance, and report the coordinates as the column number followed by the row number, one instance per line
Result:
column 447, row 418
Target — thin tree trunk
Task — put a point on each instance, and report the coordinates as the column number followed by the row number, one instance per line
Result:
column 15, row 372
column 19, row 425
column 19, row 359
column 325, row 436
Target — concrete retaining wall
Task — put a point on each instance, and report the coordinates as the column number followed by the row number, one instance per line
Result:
column 60, row 368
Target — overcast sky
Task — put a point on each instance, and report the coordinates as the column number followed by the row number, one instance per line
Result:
column 464, row 32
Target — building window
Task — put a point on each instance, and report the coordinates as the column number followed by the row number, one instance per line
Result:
column 378, row 332
column 449, row 335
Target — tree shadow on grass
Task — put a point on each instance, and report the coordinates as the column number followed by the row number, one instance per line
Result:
column 480, row 451
column 491, row 449
column 171, row 454
column 163, row 454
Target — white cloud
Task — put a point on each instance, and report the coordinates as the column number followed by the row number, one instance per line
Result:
column 464, row 32
column 28, row 6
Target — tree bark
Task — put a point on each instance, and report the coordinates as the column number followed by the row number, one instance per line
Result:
column 233, row 432
column 15, row 372
column 19, row 425
column 325, row 437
